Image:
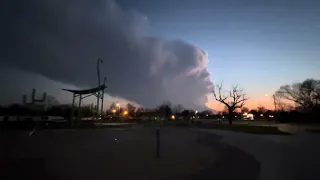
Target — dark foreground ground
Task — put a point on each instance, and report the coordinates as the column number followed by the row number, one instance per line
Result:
column 122, row 154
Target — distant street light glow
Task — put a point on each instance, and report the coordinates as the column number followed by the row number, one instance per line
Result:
column 173, row 117
column 118, row 105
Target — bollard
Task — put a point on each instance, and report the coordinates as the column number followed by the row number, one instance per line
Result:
column 158, row 143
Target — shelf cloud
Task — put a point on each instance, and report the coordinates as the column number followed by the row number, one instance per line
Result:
column 62, row 40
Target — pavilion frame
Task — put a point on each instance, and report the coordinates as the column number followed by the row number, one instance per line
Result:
column 82, row 94
column 98, row 92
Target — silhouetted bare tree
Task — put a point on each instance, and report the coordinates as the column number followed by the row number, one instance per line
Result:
column 261, row 109
column 51, row 101
column 178, row 109
column 140, row 112
column 113, row 106
column 278, row 103
column 131, row 109
column 233, row 99
column 244, row 110
column 187, row 113
column 305, row 95
column 165, row 109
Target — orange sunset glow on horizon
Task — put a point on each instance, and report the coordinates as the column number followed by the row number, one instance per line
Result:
column 252, row 103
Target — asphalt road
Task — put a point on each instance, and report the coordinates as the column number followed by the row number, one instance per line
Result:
column 281, row 157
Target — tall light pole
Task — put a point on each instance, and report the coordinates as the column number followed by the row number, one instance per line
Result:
column 98, row 96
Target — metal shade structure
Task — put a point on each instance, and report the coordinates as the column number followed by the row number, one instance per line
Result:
column 86, row 91
column 97, row 91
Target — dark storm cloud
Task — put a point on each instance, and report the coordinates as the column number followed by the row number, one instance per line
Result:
column 63, row 39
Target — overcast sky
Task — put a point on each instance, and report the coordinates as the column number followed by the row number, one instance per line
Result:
column 155, row 51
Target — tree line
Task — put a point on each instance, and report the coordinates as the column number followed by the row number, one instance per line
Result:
column 165, row 110
column 297, row 102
